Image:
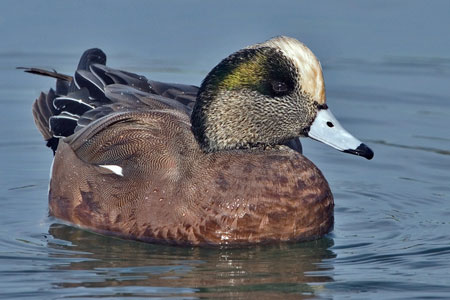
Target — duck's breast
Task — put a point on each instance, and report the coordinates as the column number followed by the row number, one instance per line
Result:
column 261, row 196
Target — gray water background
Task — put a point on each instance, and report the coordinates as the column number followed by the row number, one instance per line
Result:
column 387, row 72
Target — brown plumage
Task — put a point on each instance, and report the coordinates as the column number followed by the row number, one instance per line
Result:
column 129, row 163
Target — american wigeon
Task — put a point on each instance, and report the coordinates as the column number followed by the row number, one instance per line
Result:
column 178, row 164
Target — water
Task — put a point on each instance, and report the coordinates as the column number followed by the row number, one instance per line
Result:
column 387, row 71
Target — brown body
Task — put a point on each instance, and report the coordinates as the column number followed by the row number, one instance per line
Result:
column 182, row 195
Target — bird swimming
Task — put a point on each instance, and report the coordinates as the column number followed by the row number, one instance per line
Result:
column 219, row 164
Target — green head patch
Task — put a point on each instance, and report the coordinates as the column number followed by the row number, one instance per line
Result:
column 263, row 70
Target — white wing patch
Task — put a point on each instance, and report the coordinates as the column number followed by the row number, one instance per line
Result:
column 114, row 168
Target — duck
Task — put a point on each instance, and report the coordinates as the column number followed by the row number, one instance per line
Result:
column 214, row 165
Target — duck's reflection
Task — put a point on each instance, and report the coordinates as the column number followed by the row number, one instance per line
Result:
column 278, row 271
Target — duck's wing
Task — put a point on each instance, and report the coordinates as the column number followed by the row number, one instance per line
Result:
column 182, row 93
column 126, row 98
column 135, row 144
column 96, row 91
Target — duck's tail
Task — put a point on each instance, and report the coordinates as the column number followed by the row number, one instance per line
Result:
column 56, row 112
column 48, row 73
column 43, row 109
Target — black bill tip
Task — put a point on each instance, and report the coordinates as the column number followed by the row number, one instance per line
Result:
column 362, row 150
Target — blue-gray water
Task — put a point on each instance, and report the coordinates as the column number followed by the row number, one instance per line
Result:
column 387, row 72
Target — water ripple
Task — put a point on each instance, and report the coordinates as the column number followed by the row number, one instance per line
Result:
column 422, row 148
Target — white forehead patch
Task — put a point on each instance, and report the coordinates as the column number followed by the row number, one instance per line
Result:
column 308, row 66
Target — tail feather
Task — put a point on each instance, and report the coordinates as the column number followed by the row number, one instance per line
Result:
column 56, row 113
column 43, row 109
column 48, row 73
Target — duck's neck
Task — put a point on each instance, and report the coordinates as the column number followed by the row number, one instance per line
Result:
column 230, row 119
column 212, row 123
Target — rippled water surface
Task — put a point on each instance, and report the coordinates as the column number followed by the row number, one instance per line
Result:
column 387, row 71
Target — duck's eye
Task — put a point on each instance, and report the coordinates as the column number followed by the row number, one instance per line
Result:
column 279, row 87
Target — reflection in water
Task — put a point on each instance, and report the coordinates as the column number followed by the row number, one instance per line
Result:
column 105, row 265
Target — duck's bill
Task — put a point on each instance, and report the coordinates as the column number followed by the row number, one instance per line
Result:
column 326, row 129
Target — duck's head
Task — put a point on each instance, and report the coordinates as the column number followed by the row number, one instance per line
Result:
column 264, row 95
